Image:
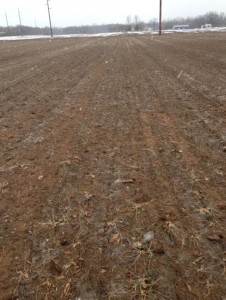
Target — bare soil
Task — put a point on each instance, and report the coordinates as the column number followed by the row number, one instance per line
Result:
column 112, row 168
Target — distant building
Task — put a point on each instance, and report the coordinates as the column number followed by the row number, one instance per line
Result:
column 207, row 26
column 180, row 27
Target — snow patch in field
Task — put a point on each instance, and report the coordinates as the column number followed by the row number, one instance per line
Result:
column 32, row 37
column 197, row 30
column 27, row 37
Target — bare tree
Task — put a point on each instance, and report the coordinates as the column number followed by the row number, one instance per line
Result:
column 128, row 20
column 136, row 22
column 129, row 23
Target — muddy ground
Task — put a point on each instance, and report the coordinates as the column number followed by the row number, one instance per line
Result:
column 112, row 168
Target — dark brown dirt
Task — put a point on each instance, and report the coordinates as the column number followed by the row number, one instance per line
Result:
column 112, row 168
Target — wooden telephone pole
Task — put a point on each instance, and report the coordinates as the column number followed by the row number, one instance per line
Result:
column 7, row 23
column 21, row 31
column 50, row 23
column 160, row 17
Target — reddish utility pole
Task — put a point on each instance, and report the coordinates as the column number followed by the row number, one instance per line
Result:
column 160, row 17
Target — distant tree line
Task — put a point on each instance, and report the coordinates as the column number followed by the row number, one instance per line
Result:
column 132, row 24
column 24, row 30
column 87, row 29
column 214, row 18
column 92, row 29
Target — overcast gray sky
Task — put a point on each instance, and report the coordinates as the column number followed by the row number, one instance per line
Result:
column 81, row 12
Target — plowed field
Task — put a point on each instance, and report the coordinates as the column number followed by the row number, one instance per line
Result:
column 112, row 168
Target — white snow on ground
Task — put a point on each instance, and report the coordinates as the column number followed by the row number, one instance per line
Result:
column 27, row 37
column 198, row 30
column 31, row 37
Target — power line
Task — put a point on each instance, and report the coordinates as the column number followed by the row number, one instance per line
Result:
column 50, row 23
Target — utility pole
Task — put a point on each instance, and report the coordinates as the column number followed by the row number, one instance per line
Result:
column 50, row 24
column 160, row 17
column 6, row 18
column 20, row 22
column 35, row 27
